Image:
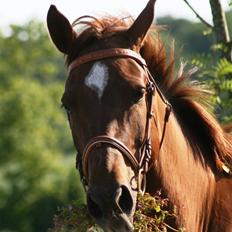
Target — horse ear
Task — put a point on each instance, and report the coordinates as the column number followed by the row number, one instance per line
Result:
column 60, row 30
column 141, row 25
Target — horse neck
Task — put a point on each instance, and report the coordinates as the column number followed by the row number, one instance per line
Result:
column 185, row 176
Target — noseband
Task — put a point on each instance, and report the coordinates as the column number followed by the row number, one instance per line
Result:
column 140, row 166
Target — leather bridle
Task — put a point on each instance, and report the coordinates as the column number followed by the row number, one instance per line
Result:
column 140, row 166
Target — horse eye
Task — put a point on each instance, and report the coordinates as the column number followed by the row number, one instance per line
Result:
column 138, row 94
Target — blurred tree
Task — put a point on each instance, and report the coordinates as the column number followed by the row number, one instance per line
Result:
column 27, row 52
column 219, row 27
column 37, row 172
column 34, row 175
column 186, row 33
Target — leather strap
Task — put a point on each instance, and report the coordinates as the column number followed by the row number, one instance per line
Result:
column 104, row 139
column 107, row 53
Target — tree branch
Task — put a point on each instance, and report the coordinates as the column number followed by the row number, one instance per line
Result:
column 197, row 15
column 220, row 27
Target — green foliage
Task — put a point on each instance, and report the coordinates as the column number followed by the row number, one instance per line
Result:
column 27, row 53
column 35, row 175
column 72, row 218
column 32, row 167
column 185, row 34
column 218, row 77
column 153, row 214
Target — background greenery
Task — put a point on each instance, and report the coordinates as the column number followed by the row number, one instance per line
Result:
column 37, row 158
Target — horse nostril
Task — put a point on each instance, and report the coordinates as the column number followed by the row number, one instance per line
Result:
column 93, row 208
column 125, row 200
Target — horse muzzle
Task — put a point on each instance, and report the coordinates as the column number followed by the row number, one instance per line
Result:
column 112, row 210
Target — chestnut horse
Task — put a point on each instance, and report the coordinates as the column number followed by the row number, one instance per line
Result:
column 138, row 125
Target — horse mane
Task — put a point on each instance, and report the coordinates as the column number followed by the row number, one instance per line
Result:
column 187, row 97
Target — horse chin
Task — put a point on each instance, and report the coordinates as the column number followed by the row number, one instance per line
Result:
column 118, row 223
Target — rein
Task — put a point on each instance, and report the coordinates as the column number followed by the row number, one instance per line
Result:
column 141, row 166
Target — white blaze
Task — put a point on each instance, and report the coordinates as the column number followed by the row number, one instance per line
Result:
column 97, row 78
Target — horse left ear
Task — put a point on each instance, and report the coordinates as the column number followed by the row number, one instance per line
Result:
column 140, row 27
column 60, row 30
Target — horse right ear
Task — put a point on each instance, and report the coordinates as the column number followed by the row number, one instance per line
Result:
column 140, row 27
column 60, row 30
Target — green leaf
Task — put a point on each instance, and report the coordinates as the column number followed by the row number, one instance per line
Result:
column 157, row 208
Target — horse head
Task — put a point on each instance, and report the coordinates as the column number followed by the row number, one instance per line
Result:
column 108, row 97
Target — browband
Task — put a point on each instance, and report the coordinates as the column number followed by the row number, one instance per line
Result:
column 107, row 53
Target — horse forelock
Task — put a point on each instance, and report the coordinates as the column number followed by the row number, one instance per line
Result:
column 89, row 29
